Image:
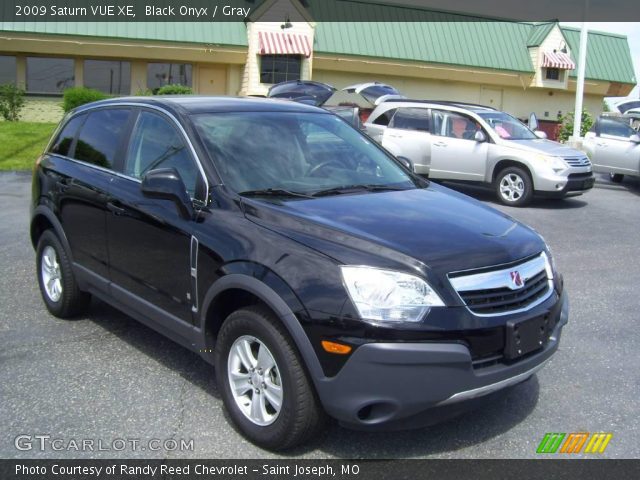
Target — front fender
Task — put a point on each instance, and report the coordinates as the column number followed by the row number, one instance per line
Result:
column 273, row 291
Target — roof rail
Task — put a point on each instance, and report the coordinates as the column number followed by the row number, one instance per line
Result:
column 440, row 102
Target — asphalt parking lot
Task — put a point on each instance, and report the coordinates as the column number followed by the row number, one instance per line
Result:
column 106, row 377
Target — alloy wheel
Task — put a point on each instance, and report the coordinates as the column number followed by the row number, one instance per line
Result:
column 255, row 381
column 51, row 274
column 512, row 187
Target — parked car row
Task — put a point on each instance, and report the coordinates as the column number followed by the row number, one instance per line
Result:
column 462, row 142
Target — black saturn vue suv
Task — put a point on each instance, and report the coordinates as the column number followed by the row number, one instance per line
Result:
column 311, row 267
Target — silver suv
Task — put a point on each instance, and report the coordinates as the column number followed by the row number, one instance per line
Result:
column 464, row 142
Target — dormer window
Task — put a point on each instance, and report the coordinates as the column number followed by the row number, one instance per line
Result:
column 553, row 74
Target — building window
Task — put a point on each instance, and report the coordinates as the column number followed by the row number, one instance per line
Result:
column 112, row 77
column 553, row 74
column 280, row 68
column 49, row 75
column 7, row 69
column 161, row 74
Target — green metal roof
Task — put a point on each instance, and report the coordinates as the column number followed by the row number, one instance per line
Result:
column 538, row 33
column 608, row 56
column 500, row 45
column 220, row 33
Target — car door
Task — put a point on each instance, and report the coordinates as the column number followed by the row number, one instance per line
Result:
column 408, row 136
column 455, row 154
column 613, row 150
column 150, row 241
column 94, row 141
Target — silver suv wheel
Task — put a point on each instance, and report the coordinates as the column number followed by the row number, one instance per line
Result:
column 512, row 187
column 51, row 276
column 255, row 380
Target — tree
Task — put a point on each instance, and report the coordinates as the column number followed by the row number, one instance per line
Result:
column 566, row 127
column 11, row 102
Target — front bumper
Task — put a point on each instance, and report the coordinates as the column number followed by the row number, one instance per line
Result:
column 391, row 385
column 578, row 181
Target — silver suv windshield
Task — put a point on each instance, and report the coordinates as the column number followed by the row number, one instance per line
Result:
column 506, row 126
column 296, row 154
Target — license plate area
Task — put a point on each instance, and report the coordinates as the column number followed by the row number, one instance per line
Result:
column 526, row 336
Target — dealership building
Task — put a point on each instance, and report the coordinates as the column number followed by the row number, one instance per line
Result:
column 518, row 67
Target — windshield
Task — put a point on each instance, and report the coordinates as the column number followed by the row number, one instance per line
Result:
column 507, row 127
column 301, row 153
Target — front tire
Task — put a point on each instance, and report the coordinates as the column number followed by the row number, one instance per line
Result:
column 514, row 187
column 58, row 285
column 616, row 177
column 262, row 381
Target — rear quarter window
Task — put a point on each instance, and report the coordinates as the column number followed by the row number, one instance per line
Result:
column 64, row 141
column 101, row 136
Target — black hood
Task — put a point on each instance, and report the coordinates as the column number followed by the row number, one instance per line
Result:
column 446, row 231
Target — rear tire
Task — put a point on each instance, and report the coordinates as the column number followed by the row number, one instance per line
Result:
column 273, row 402
column 58, row 285
column 514, row 187
column 616, row 177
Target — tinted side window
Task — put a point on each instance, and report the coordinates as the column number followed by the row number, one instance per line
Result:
column 412, row 119
column 385, row 118
column 155, row 143
column 615, row 128
column 62, row 145
column 100, row 137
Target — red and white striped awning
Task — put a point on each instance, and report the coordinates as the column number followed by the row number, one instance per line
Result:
column 281, row 43
column 558, row 60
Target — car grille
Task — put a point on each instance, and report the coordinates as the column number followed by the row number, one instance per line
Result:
column 503, row 299
column 578, row 162
column 494, row 292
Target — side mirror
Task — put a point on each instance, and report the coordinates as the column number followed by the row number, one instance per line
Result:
column 635, row 138
column 406, row 162
column 166, row 184
column 540, row 134
column 533, row 122
column 480, row 136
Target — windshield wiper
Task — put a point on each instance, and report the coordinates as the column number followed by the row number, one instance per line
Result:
column 274, row 192
column 355, row 188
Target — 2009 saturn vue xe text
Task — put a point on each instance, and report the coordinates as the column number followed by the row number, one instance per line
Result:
column 310, row 266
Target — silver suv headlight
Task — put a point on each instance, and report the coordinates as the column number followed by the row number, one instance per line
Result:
column 556, row 164
column 387, row 295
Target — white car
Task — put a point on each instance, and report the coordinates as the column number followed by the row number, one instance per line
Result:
column 613, row 147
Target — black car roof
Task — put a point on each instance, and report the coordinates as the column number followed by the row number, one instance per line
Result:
column 190, row 104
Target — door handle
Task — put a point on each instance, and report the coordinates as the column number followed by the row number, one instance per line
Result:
column 439, row 144
column 115, row 208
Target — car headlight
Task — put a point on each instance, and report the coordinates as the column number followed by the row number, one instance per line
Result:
column 556, row 164
column 388, row 296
